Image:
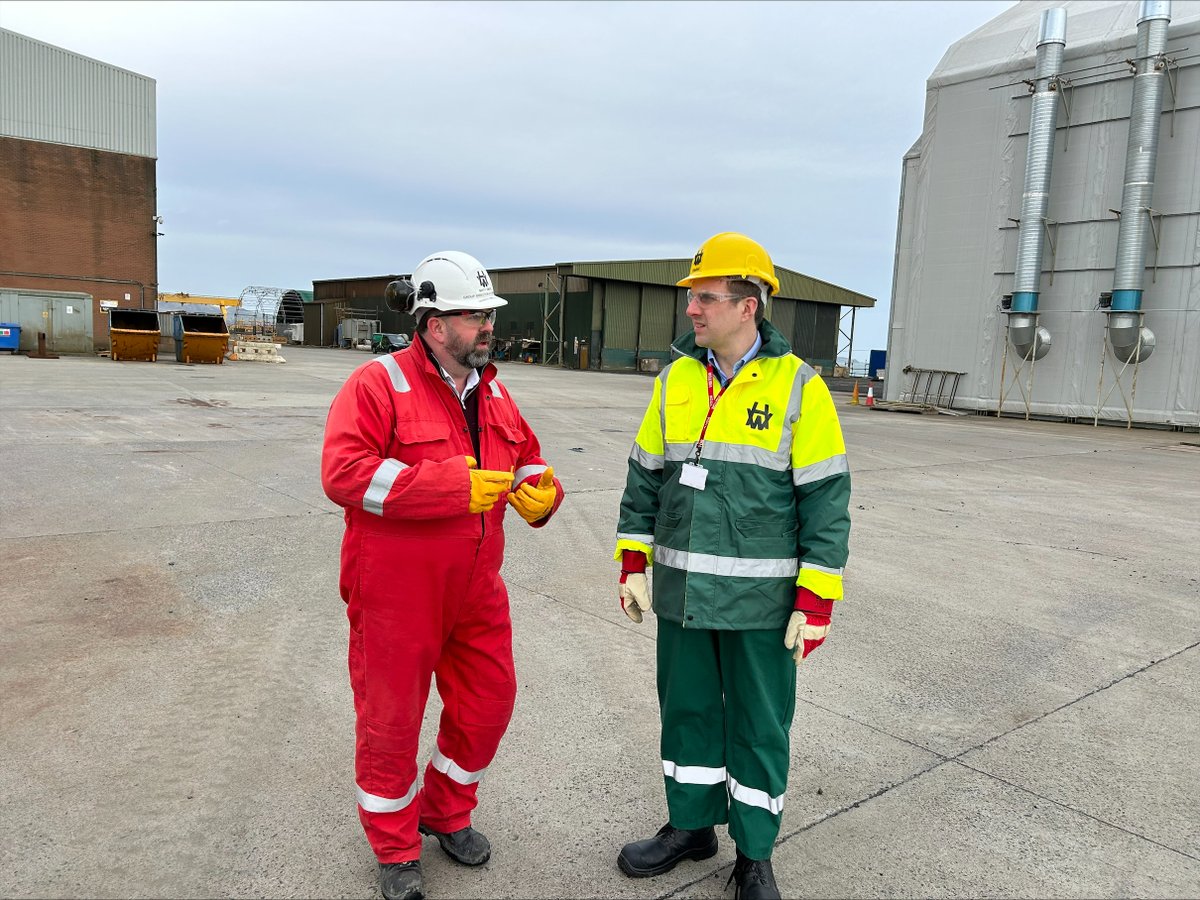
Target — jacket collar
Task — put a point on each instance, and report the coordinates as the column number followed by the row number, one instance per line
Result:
column 774, row 344
column 429, row 365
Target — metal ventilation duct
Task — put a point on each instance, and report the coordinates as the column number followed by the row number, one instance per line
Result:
column 1029, row 339
column 1130, row 341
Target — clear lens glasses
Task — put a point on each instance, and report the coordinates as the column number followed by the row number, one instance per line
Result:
column 708, row 298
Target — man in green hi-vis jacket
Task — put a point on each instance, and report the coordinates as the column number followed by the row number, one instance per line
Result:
column 738, row 497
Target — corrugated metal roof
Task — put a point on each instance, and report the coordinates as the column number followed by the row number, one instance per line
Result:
column 792, row 285
column 50, row 94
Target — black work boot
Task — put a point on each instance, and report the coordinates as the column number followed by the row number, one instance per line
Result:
column 755, row 880
column 466, row 846
column 401, row 881
column 665, row 850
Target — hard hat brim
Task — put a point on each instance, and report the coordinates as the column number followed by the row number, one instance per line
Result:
column 732, row 273
column 492, row 301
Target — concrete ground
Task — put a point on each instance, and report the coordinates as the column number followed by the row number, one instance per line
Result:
column 1008, row 704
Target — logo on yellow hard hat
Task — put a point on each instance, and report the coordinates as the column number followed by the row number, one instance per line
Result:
column 732, row 255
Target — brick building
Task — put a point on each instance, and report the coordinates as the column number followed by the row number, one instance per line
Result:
column 78, row 195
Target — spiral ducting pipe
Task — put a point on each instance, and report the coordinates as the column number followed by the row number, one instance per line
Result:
column 1030, row 340
column 1130, row 341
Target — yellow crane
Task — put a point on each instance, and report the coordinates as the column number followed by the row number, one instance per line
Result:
column 198, row 298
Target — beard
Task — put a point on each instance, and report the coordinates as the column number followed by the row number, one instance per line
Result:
column 467, row 354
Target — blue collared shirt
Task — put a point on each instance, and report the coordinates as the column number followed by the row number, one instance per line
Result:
column 737, row 367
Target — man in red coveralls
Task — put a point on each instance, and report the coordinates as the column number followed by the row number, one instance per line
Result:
column 425, row 450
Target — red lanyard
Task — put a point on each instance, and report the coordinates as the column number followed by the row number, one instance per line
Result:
column 712, row 404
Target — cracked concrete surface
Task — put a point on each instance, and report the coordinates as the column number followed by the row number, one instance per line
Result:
column 1007, row 705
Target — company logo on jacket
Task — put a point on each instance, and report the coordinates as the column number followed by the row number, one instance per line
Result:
column 759, row 419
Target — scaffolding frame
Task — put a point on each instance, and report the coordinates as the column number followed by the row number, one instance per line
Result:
column 1018, row 371
column 1119, row 376
column 848, row 337
column 552, row 327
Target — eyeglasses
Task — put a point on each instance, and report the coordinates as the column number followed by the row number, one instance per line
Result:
column 476, row 317
column 708, row 298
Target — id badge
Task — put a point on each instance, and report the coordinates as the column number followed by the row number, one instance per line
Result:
column 693, row 476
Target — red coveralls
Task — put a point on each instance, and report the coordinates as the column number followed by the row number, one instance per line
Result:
column 421, row 579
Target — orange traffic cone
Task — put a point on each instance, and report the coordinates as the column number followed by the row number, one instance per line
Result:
column 870, row 396
column 854, row 396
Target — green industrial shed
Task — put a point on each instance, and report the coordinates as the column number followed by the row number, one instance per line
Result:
column 626, row 313
column 619, row 315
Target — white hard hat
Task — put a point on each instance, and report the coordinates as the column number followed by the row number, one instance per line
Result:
column 445, row 281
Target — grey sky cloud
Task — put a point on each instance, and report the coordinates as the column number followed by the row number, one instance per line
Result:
column 300, row 141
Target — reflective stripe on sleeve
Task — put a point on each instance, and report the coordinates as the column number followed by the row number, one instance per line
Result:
column 453, row 770
column 755, row 797
column 639, row 538
column 726, row 566
column 694, row 774
column 399, row 382
column 376, row 804
column 662, row 400
column 381, row 485
column 826, row 569
column 525, row 471
column 835, row 465
column 651, row 461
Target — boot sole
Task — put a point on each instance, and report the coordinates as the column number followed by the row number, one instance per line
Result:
column 454, row 856
column 696, row 855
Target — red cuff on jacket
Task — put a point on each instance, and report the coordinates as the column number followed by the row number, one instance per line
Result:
column 807, row 601
column 633, row 561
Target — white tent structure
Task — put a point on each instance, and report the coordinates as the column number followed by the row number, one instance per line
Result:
column 1057, row 275
column 266, row 310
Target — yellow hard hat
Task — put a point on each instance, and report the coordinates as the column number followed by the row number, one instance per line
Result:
column 732, row 255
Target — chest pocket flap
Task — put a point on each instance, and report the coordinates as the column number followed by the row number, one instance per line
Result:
column 419, row 439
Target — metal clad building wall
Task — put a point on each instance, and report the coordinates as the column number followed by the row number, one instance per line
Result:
column 956, row 245
column 50, row 94
column 621, row 315
column 782, row 314
column 814, row 334
column 682, row 323
column 658, row 317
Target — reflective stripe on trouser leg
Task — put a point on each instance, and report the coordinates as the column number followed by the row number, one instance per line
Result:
column 478, row 686
column 759, row 680
column 693, row 734
column 385, row 768
column 395, row 639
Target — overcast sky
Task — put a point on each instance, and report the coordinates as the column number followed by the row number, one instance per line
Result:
column 301, row 141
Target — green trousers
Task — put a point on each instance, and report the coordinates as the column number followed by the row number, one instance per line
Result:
column 727, row 699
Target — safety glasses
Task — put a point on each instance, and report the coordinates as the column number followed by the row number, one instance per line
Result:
column 708, row 298
column 476, row 317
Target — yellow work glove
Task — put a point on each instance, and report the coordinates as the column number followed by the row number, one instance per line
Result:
column 486, row 486
column 534, row 501
column 635, row 595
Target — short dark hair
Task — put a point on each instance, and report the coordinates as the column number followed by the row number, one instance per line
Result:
column 743, row 288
